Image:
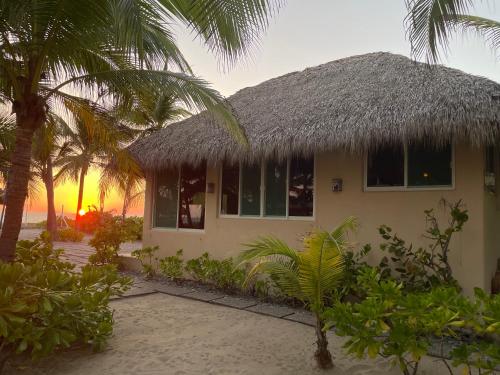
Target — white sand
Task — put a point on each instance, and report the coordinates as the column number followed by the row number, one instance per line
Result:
column 161, row 334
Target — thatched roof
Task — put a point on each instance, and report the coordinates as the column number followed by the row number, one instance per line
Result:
column 353, row 104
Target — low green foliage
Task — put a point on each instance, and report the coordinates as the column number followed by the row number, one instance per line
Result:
column 107, row 240
column 172, row 267
column 44, row 306
column 148, row 260
column 418, row 269
column 220, row 273
column 69, row 235
column 394, row 323
column 133, row 227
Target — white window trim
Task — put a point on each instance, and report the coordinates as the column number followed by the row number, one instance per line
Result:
column 367, row 188
column 176, row 229
column 262, row 216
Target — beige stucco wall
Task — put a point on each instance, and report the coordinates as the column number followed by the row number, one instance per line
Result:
column 402, row 210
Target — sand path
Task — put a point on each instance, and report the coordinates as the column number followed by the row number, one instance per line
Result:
column 162, row 334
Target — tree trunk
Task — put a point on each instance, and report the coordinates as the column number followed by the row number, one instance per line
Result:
column 30, row 115
column 48, row 180
column 126, row 200
column 83, row 173
column 322, row 355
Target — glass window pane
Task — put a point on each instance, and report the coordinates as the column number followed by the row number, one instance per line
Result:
column 250, row 190
column 165, row 199
column 192, row 197
column 385, row 167
column 301, row 187
column 429, row 166
column 275, row 189
column 230, row 189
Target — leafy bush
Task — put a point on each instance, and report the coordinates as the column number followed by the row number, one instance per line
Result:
column 133, row 227
column 393, row 323
column 147, row 259
column 172, row 267
column 44, row 306
column 107, row 240
column 417, row 269
column 221, row 273
column 69, row 235
column 93, row 220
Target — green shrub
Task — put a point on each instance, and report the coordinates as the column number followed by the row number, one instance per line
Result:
column 220, row 273
column 147, row 259
column 69, row 235
column 93, row 220
column 133, row 227
column 172, row 267
column 107, row 240
column 44, row 306
column 418, row 269
column 400, row 325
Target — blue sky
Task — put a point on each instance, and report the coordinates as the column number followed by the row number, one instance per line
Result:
column 310, row 32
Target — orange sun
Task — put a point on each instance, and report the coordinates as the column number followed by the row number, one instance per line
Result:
column 81, row 212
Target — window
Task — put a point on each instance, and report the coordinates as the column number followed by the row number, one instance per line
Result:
column 166, row 195
column 250, row 190
column 413, row 166
column 230, row 191
column 273, row 189
column 192, row 198
column 179, row 199
column 429, row 167
column 386, row 167
column 300, row 188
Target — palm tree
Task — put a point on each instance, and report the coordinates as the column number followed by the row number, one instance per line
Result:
column 57, row 52
column 312, row 275
column 146, row 118
column 45, row 147
column 123, row 173
column 430, row 24
column 89, row 144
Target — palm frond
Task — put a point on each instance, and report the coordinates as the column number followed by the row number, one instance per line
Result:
column 229, row 27
column 429, row 22
column 487, row 28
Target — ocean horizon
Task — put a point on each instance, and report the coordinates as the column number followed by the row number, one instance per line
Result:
column 30, row 217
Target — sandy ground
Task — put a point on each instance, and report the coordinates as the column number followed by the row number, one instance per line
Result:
column 161, row 334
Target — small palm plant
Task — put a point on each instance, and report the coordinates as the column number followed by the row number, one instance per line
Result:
column 312, row 275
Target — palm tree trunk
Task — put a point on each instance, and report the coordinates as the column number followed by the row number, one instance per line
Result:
column 83, row 173
column 322, row 355
column 126, row 200
column 30, row 115
column 48, row 180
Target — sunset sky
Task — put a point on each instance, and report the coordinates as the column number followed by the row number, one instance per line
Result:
column 306, row 34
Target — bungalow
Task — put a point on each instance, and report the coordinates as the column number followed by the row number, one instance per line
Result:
column 377, row 136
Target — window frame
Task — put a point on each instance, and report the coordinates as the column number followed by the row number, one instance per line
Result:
column 153, row 207
column 262, row 215
column 405, row 187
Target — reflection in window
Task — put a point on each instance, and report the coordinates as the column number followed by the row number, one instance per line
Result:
column 429, row 166
column 301, row 187
column 230, row 189
column 386, row 167
column 192, row 197
column 250, row 190
column 275, row 189
column 165, row 199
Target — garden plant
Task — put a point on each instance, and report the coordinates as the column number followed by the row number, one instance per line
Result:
column 313, row 275
column 45, row 306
